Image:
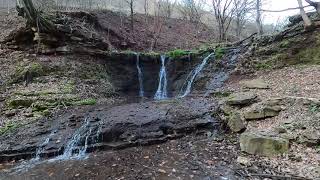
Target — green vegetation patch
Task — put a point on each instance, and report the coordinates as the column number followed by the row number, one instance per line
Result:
column 219, row 52
column 32, row 70
column 314, row 108
column 85, row 102
column 309, row 55
column 69, row 87
column 178, row 53
column 221, row 94
column 264, row 65
column 20, row 102
column 9, row 127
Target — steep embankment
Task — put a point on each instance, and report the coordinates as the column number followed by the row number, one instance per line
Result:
column 112, row 31
column 275, row 101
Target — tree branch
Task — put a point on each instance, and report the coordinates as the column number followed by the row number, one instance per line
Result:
column 283, row 10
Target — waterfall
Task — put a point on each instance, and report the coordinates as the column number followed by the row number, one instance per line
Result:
column 25, row 165
column 162, row 87
column 72, row 150
column 42, row 146
column 140, row 76
column 191, row 77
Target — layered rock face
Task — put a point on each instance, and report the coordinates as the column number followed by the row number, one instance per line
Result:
column 111, row 128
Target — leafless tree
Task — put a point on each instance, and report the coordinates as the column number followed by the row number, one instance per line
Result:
column 146, row 7
column 242, row 8
column 131, row 5
column 223, row 12
column 167, row 7
column 316, row 5
column 258, row 17
column 192, row 9
column 306, row 19
column 158, row 23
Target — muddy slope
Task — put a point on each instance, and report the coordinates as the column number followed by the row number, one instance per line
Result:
column 111, row 31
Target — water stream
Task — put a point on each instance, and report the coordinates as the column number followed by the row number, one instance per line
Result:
column 41, row 149
column 25, row 165
column 162, row 87
column 191, row 77
column 72, row 149
column 140, row 76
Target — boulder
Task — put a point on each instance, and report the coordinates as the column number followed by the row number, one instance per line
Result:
column 255, row 84
column 310, row 137
column 226, row 110
column 236, row 123
column 262, row 112
column 243, row 161
column 257, row 143
column 242, row 99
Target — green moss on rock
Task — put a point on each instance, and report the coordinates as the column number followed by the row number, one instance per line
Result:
column 9, row 127
column 33, row 69
column 69, row 87
column 19, row 102
column 219, row 52
column 178, row 53
column 84, row 102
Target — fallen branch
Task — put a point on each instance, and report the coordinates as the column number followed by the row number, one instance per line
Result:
column 241, row 41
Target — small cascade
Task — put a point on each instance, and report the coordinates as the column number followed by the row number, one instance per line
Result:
column 191, row 77
column 42, row 146
column 99, row 134
column 140, row 76
column 72, row 149
column 162, row 87
column 25, row 165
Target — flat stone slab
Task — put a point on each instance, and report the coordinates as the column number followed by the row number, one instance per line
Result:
column 255, row 84
column 262, row 112
column 242, row 99
column 257, row 143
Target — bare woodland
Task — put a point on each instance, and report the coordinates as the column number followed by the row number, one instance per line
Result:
column 226, row 14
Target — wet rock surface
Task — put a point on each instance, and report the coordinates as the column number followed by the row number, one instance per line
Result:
column 191, row 157
column 117, row 127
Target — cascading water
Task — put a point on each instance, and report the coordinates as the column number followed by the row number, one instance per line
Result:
column 191, row 77
column 25, row 165
column 72, row 149
column 140, row 76
column 162, row 87
column 41, row 148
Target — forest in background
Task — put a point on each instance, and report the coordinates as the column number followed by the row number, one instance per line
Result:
column 230, row 20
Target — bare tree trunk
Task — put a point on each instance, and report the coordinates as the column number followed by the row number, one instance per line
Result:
column 306, row 20
column 145, row 6
column 258, row 18
column 238, row 28
column 131, row 14
column 8, row 6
